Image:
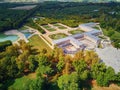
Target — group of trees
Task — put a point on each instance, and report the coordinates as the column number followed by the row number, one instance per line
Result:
column 12, row 19
column 55, row 71
column 17, row 60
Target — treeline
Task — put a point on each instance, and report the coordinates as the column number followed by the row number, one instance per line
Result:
column 34, row 25
column 55, row 71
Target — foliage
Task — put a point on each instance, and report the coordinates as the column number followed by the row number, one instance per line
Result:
column 102, row 74
column 4, row 44
column 68, row 82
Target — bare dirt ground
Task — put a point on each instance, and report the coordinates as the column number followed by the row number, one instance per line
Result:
column 111, row 87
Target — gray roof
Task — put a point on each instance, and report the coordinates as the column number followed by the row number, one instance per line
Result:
column 92, row 36
column 89, row 34
column 76, row 42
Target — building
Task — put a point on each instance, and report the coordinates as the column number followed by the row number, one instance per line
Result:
column 88, row 40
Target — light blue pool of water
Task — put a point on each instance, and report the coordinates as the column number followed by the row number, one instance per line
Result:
column 4, row 37
column 12, row 38
column 27, row 34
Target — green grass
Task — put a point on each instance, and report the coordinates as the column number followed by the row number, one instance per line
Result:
column 49, row 28
column 59, row 26
column 62, row 27
column 46, row 26
column 20, row 83
column 76, row 31
column 116, row 35
column 56, row 24
column 38, row 43
column 23, row 28
column 58, row 36
column 2, row 35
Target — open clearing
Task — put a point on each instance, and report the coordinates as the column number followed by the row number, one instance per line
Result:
column 111, row 86
column 20, row 83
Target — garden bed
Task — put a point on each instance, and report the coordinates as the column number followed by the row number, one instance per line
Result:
column 58, row 36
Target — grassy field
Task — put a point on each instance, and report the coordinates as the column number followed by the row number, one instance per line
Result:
column 20, row 83
column 38, row 43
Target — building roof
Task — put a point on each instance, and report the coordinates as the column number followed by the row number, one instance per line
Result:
column 92, row 36
column 88, row 26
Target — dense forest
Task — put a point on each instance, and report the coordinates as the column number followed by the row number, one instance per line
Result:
column 12, row 19
column 53, row 71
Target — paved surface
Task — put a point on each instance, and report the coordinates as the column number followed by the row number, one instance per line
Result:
column 110, row 56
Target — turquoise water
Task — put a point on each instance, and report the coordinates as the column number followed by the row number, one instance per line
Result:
column 27, row 34
column 12, row 38
column 4, row 37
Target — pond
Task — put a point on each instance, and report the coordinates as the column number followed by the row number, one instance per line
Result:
column 27, row 34
column 4, row 37
column 13, row 38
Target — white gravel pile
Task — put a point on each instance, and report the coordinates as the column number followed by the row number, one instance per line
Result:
column 110, row 56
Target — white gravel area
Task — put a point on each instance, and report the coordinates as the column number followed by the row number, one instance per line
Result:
column 110, row 56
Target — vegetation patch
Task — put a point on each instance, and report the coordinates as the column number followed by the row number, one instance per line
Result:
column 23, row 28
column 76, row 31
column 35, row 26
column 49, row 28
column 58, row 36
column 5, row 44
column 59, row 26
column 38, row 43
column 20, row 83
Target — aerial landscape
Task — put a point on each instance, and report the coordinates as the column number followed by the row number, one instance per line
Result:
column 59, row 44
